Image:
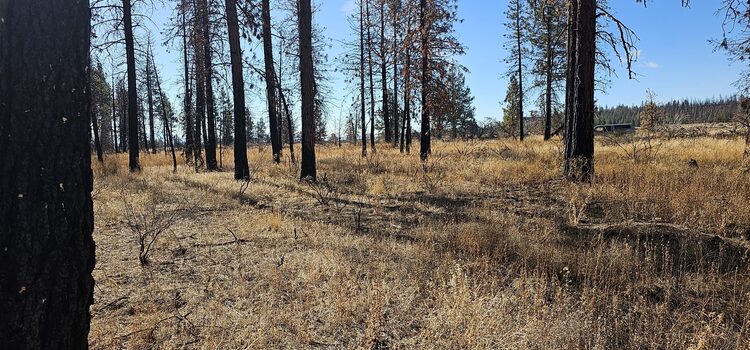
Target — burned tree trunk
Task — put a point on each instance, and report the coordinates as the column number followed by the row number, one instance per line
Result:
column 122, row 92
column 200, row 84
column 168, row 137
column 549, row 73
column 133, row 154
column 95, row 126
column 579, row 137
column 285, row 106
column 150, row 101
column 424, row 144
column 114, row 117
column 548, row 98
column 47, row 253
column 372, row 84
column 362, row 75
column 288, row 116
column 384, row 75
column 210, row 120
column 187, row 106
column 395, row 79
column 273, row 119
column 241, row 169
column 406, row 129
column 307, row 81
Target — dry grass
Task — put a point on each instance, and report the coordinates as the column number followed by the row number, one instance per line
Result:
column 484, row 247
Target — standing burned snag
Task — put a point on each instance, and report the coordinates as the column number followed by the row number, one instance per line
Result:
column 200, row 83
column 210, row 121
column 169, row 135
column 46, row 245
column 424, row 144
column 307, row 82
column 132, row 119
column 395, row 7
column 370, row 74
column 363, row 123
column 150, row 99
column 187, row 98
column 578, row 164
column 384, row 74
column 100, row 103
column 270, row 78
column 582, row 54
column 241, row 168
column 579, row 140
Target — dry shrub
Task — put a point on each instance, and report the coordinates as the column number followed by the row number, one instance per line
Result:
column 148, row 219
column 432, row 174
column 325, row 190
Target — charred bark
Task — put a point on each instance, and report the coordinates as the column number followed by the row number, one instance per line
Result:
column 168, row 137
column 200, row 85
column 150, row 101
column 133, row 154
column 396, row 126
column 114, row 118
column 384, row 76
column 372, row 84
column 362, row 76
column 241, row 169
column 210, row 132
column 424, row 144
column 47, row 250
column 187, row 105
column 579, row 137
column 95, row 126
column 273, row 119
column 307, row 81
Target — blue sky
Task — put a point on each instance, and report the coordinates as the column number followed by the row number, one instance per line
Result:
column 676, row 59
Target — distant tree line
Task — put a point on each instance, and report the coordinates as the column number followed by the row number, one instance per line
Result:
column 717, row 110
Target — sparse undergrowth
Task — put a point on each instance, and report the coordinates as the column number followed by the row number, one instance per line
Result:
column 492, row 250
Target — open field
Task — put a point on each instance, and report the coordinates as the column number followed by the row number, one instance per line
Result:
column 483, row 247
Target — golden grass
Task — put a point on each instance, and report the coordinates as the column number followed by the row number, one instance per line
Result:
column 483, row 247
